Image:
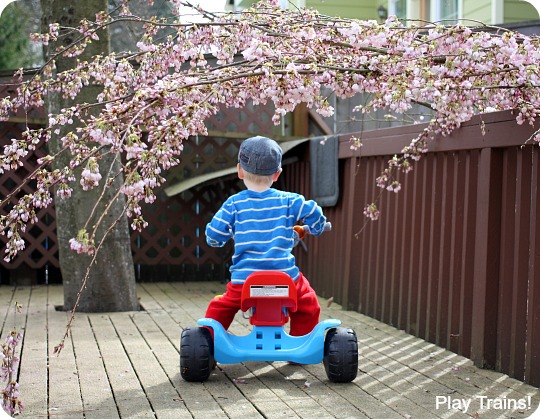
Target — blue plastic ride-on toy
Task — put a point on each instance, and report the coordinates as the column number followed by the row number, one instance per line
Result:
column 270, row 295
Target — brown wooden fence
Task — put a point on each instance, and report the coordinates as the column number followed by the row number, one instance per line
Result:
column 455, row 256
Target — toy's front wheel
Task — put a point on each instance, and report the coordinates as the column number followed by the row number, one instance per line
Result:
column 196, row 354
column 341, row 355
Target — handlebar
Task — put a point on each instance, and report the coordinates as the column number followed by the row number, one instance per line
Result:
column 327, row 227
column 303, row 230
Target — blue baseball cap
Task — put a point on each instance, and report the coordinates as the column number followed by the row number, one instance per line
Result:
column 260, row 156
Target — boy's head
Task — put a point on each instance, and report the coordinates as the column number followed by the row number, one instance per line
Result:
column 260, row 156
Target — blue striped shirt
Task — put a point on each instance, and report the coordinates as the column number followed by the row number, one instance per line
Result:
column 261, row 224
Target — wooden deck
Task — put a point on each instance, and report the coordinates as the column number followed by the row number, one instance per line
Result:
column 126, row 365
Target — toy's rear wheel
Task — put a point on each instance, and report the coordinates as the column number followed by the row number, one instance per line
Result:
column 196, row 354
column 341, row 355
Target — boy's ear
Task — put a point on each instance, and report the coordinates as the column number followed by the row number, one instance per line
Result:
column 240, row 171
column 276, row 175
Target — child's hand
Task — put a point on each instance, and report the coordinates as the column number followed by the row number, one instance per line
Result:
column 300, row 231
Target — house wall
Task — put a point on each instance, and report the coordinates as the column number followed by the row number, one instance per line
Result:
column 355, row 9
column 359, row 9
column 477, row 10
column 519, row 11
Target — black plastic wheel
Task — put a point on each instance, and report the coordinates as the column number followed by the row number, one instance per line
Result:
column 196, row 354
column 341, row 355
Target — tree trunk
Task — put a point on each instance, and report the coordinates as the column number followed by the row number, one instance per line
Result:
column 111, row 283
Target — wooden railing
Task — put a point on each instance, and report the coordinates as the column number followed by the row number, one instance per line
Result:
column 455, row 256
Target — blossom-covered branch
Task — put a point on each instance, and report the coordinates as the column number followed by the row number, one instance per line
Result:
column 153, row 99
column 9, row 364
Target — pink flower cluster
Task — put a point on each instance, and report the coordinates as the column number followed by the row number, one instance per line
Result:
column 83, row 243
column 90, row 175
column 372, row 212
column 9, row 362
column 13, row 155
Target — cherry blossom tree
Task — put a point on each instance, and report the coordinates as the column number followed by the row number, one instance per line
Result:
column 151, row 100
column 110, row 272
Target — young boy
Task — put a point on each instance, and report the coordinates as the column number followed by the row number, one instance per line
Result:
column 260, row 220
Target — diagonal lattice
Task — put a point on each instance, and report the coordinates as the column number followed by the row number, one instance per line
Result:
column 175, row 235
column 41, row 247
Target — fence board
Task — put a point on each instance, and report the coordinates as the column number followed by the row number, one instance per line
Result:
column 521, row 256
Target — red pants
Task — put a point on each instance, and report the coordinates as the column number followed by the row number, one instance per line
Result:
column 303, row 320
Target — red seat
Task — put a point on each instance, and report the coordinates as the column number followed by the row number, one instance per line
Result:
column 269, row 293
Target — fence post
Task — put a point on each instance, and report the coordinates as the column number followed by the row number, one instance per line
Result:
column 486, row 260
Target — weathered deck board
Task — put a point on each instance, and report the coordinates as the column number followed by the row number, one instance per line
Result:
column 126, row 365
column 94, row 387
column 35, row 349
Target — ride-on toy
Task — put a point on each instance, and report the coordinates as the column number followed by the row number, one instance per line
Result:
column 270, row 295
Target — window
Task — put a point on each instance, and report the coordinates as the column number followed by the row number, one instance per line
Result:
column 397, row 8
column 444, row 11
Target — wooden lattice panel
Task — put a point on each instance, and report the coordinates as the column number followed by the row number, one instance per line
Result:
column 256, row 120
column 41, row 247
column 204, row 155
column 175, row 235
column 8, row 87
